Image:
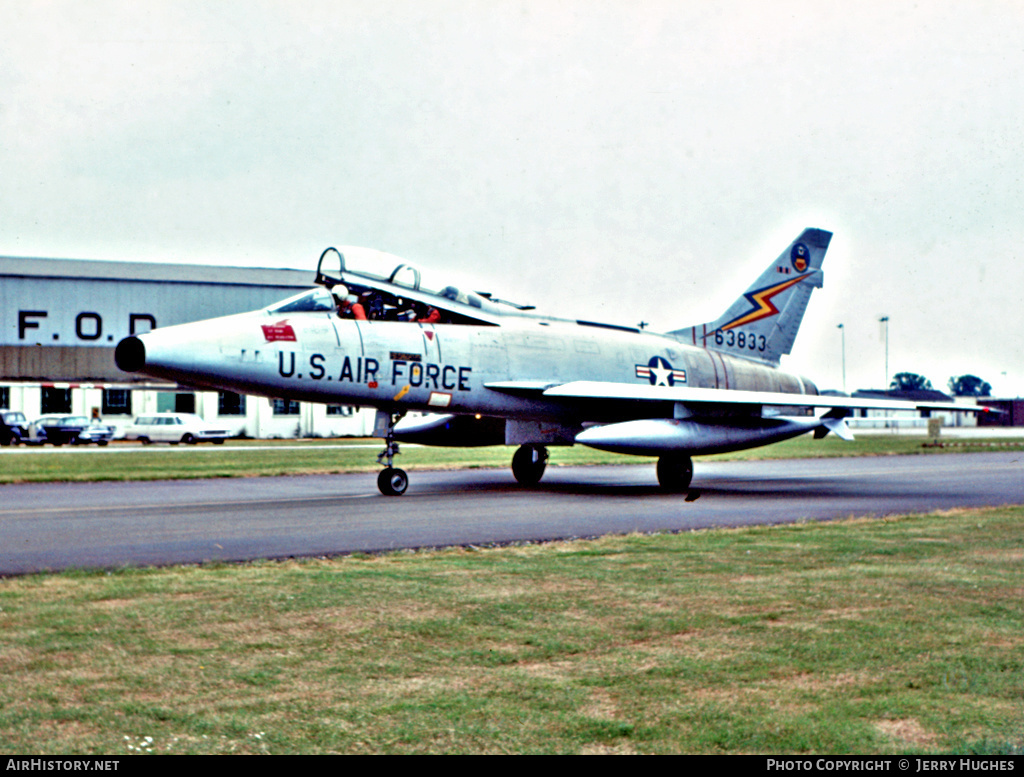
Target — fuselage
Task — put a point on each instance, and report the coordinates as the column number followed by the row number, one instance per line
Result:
column 319, row 356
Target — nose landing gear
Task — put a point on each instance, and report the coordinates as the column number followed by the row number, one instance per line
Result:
column 391, row 481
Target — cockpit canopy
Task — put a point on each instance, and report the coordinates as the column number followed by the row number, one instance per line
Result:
column 379, row 287
column 334, row 268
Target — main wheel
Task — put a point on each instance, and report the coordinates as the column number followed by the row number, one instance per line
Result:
column 529, row 463
column 392, row 481
column 675, row 472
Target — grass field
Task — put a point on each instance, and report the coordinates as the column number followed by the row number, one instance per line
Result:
column 255, row 458
column 867, row 636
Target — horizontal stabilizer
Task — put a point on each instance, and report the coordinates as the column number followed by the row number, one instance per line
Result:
column 838, row 427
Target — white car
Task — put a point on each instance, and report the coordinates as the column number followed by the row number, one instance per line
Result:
column 174, row 428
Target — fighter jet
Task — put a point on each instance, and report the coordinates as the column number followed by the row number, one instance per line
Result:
column 489, row 372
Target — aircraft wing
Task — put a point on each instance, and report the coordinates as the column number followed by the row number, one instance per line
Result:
column 606, row 390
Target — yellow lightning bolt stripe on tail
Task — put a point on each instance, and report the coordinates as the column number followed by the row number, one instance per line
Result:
column 762, row 302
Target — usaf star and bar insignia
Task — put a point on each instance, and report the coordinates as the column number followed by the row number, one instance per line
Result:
column 660, row 373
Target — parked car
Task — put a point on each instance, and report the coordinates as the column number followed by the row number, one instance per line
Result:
column 96, row 432
column 174, row 428
column 73, row 429
column 13, row 427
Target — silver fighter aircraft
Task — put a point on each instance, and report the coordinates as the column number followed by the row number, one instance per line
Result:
column 488, row 372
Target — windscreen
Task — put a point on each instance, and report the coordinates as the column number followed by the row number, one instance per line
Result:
column 307, row 302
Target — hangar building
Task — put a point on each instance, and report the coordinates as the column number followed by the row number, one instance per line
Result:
column 61, row 320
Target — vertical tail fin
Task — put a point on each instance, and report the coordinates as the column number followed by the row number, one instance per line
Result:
column 762, row 324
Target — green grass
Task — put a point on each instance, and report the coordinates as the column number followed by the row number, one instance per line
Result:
column 867, row 636
column 305, row 457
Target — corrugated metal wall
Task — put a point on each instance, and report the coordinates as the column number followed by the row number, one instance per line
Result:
column 61, row 319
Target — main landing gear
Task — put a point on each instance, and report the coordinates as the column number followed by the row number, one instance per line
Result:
column 675, row 471
column 529, row 463
column 391, row 481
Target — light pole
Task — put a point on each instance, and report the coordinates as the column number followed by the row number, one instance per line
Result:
column 885, row 320
column 842, row 329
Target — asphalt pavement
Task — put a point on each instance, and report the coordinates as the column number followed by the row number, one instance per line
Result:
column 56, row 526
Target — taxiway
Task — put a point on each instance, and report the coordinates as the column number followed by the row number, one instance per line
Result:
column 61, row 525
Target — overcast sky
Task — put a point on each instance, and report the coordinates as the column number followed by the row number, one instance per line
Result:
column 603, row 159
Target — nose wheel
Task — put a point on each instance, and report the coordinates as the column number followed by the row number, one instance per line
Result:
column 391, row 481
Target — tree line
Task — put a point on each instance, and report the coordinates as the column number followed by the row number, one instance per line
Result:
column 962, row 386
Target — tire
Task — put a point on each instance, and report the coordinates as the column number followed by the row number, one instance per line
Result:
column 188, row 439
column 392, row 481
column 675, row 472
column 145, row 440
column 529, row 463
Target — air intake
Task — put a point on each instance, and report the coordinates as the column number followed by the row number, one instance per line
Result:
column 130, row 355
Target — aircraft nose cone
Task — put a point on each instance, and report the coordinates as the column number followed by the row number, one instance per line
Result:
column 130, row 354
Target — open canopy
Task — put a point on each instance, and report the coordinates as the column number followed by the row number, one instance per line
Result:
column 377, row 267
